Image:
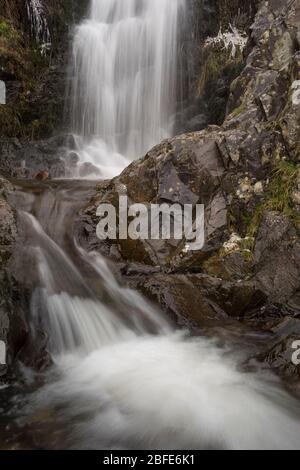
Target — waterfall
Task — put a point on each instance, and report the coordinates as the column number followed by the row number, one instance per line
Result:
column 39, row 26
column 124, row 86
column 74, row 317
column 2, row 92
column 123, row 376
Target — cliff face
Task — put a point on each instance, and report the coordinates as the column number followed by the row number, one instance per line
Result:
column 34, row 53
column 34, row 49
column 208, row 68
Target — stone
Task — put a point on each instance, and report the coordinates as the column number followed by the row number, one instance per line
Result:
column 296, row 197
column 277, row 259
column 26, row 161
column 42, row 175
column 279, row 349
column 258, row 188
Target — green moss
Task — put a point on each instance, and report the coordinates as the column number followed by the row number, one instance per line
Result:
column 7, row 32
column 239, row 110
column 278, row 195
column 28, row 66
column 217, row 60
column 39, row 128
column 13, row 52
column 10, row 122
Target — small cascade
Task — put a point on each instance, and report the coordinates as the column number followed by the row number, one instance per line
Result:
column 76, row 319
column 39, row 26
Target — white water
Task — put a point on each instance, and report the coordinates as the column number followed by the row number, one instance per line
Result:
column 71, row 313
column 124, row 378
column 124, row 87
column 171, row 392
column 39, row 26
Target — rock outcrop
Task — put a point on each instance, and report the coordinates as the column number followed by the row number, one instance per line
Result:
column 26, row 160
column 13, row 327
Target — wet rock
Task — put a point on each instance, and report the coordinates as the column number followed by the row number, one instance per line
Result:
column 42, row 176
column 277, row 259
column 208, row 71
column 279, row 352
column 13, row 329
column 233, row 266
column 15, row 294
column 27, row 160
column 184, row 170
column 200, row 299
column 88, row 169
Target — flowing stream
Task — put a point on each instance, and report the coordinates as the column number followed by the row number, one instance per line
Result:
column 123, row 375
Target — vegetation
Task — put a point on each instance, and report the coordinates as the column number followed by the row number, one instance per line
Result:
column 12, row 51
column 10, row 122
column 239, row 110
column 217, row 61
column 33, row 114
column 278, row 195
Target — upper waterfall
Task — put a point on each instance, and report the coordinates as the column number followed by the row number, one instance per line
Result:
column 124, row 85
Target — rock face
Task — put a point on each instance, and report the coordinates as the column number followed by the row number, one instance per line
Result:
column 208, row 66
column 33, row 64
column 19, row 160
column 34, row 50
column 15, row 296
column 247, row 174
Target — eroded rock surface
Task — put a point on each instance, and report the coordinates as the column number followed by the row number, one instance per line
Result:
column 13, row 329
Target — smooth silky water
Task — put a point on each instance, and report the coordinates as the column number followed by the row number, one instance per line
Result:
column 123, row 375
column 123, row 91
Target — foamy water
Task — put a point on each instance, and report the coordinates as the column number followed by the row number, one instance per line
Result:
column 124, row 378
column 170, row 392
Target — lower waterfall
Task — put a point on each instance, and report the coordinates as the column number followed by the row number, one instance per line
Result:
column 125, row 377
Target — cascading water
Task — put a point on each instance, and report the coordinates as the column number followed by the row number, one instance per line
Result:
column 124, row 86
column 39, row 27
column 122, row 376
